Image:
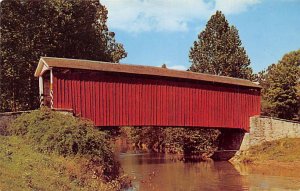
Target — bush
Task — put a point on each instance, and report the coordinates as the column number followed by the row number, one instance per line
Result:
column 54, row 132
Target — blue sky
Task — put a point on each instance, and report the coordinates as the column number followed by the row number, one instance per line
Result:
column 154, row 32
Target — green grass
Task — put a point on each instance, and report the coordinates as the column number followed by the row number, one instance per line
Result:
column 24, row 168
column 283, row 150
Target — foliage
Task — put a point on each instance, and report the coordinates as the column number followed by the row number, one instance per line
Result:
column 57, row 28
column 192, row 141
column 175, row 140
column 218, row 50
column 111, row 132
column 53, row 132
column 23, row 168
column 164, row 66
column 281, row 93
column 153, row 137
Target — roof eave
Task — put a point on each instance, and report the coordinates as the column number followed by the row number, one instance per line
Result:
column 42, row 66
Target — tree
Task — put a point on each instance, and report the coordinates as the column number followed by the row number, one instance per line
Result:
column 58, row 28
column 219, row 50
column 164, row 66
column 281, row 92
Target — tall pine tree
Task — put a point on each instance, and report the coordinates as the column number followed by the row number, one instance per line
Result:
column 219, row 50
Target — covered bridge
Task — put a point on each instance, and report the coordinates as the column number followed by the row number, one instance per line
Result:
column 113, row 94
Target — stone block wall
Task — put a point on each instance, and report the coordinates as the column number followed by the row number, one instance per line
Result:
column 269, row 129
column 6, row 118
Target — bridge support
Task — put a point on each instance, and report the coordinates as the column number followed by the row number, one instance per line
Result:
column 230, row 142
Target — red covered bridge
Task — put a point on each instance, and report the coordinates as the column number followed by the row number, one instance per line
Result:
column 113, row 94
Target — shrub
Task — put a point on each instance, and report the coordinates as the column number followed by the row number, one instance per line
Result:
column 54, row 132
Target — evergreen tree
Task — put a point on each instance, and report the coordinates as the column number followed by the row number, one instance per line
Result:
column 281, row 92
column 218, row 50
column 59, row 28
column 164, row 66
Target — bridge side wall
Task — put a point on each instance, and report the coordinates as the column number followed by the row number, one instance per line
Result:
column 269, row 129
column 114, row 99
column 262, row 129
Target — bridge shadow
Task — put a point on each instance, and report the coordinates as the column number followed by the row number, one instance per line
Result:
column 230, row 142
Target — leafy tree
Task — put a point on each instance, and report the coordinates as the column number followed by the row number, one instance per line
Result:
column 298, row 95
column 191, row 141
column 281, row 92
column 218, row 50
column 58, row 28
column 164, row 66
column 175, row 140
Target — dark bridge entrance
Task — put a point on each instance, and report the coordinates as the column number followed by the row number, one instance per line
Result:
column 129, row 95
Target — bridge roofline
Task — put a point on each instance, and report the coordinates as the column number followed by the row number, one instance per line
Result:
column 47, row 63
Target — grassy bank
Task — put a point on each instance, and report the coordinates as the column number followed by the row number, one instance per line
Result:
column 24, row 168
column 282, row 152
column 47, row 150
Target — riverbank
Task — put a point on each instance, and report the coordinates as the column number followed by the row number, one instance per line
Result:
column 24, row 168
column 47, row 150
column 283, row 154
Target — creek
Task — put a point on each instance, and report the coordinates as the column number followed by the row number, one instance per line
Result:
column 152, row 171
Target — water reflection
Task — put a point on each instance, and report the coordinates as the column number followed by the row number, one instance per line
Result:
column 161, row 172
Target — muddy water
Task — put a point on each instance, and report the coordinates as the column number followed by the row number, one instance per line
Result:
column 161, row 172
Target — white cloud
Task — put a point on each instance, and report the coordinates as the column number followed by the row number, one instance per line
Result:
column 166, row 15
column 234, row 6
column 177, row 67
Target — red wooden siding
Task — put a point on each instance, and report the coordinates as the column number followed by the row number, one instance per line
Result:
column 111, row 99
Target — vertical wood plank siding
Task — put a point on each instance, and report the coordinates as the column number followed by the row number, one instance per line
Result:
column 111, row 99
